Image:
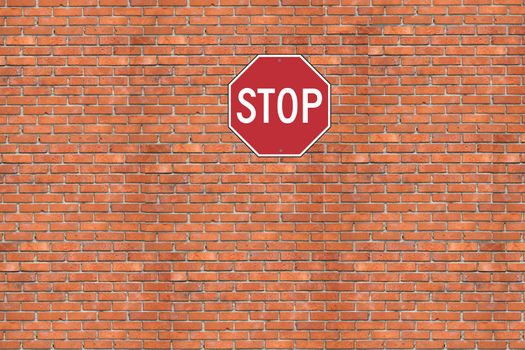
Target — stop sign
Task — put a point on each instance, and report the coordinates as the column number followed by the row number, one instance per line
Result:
column 279, row 105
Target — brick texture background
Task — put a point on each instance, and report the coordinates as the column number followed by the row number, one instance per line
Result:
column 132, row 218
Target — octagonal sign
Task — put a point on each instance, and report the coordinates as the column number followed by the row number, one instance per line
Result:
column 279, row 105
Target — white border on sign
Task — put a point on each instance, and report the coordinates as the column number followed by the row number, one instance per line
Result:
column 280, row 155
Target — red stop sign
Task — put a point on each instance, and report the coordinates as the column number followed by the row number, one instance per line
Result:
column 279, row 105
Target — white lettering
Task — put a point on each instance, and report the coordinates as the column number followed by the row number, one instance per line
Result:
column 266, row 103
column 242, row 100
column 290, row 119
column 309, row 105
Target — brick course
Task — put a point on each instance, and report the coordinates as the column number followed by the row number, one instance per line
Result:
column 132, row 218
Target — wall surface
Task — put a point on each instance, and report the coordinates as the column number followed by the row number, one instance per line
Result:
column 132, row 218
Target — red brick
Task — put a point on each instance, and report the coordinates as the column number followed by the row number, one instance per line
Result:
column 132, row 218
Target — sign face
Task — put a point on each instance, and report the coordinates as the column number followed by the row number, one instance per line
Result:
column 279, row 105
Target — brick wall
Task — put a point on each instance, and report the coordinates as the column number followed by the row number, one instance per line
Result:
column 132, row 218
